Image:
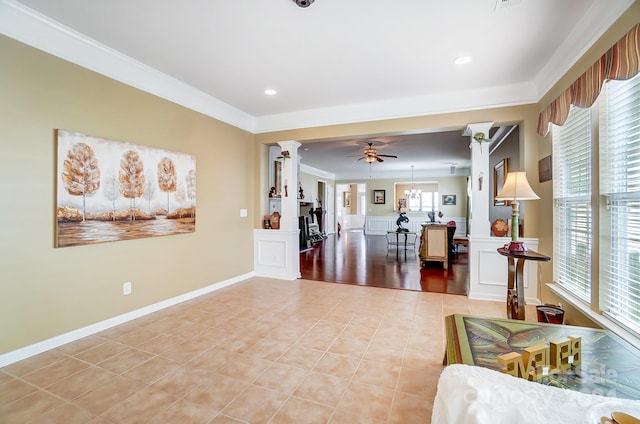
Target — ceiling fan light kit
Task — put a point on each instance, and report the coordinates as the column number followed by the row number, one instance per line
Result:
column 371, row 155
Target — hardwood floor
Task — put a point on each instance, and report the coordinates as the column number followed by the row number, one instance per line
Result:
column 355, row 258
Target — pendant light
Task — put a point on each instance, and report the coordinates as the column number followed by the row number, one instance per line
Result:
column 413, row 193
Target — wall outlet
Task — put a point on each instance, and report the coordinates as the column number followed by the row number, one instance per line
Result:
column 243, row 213
column 126, row 288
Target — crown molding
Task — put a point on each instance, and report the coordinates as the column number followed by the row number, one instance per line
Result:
column 32, row 28
column 36, row 30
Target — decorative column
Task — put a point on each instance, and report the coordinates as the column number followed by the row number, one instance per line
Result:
column 479, row 225
column 289, row 181
column 276, row 253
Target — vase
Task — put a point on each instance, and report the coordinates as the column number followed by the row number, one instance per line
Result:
column 274, row 220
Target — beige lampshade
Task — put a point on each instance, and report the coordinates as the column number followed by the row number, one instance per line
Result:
column 517, row 188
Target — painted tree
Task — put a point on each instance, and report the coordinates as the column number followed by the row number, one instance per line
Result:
column 81, row 174
column 131, row 179
column 149, row 189
column 181, row 196
column 191, row 187
column 111, row 190
column 167, row 177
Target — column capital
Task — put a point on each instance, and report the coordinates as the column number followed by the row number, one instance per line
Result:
column 478, row 132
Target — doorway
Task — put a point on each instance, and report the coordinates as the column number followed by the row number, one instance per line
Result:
column 351, row 207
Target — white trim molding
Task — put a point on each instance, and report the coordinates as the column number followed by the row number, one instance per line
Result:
column 71, row 336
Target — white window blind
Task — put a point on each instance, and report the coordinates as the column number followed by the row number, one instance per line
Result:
column 620, row 194
column 572, row 211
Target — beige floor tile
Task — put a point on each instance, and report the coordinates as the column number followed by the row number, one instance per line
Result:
column 268, row 349
column 53, row 373
column 68, row 413
column 420, row 381
column 301, row 357
column 363, row 399
column 151, row 370
column 255, row 405
column 185, row 412
column 218, row 393
column 108, row 394
column 5, row 377
column 101, row 352
column 281, row 378
column 136, row 337
column 317, row 341
column 386, row 353
column 225, row 358
column 14, row 389
column 300, row 411
column 349, row 347
column 361, row 333
column 124, row 361
column 29, row 407
column 245, row 367
column 223, row 419
column 140, row 407
column 322, row 388
column 183, row 380
column 184, row 351
column 377, row 374
column 214, row 358
column 80, row 383
column 408, row 408
column 343, row 417
column 337, row 365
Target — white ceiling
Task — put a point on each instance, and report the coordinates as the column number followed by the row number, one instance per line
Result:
column 336, row 61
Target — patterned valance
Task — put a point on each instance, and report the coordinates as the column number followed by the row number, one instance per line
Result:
column 620, row 62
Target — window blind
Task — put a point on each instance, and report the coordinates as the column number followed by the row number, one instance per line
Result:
column 620, row 194
column 572, row 196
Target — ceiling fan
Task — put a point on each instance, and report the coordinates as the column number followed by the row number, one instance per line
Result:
column 371, row 155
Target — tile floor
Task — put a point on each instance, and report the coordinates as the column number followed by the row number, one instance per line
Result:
column 260, row 351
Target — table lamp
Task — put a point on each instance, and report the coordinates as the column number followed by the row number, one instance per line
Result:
column 516, row 188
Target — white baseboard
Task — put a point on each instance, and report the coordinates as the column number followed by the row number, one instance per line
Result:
column 54, row 342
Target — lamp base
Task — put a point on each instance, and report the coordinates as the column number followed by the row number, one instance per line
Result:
column 517, row 246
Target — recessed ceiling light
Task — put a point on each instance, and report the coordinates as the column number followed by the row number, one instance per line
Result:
column 462, row 60
column 270, row 92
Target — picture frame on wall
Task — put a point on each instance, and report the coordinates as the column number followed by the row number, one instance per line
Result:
column 347, row 199
column 448, row 199
column 379, row 197
column 544, row 169
column 499, row 177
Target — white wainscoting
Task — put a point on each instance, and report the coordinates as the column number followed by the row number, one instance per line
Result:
column 379, row 225
column 276, row 254
column 488, row 270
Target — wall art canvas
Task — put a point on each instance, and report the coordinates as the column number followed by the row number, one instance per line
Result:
column 111, row 190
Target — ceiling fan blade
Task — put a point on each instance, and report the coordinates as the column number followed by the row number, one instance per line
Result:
column 359, row 159
column 389, row 156
column 379, row 160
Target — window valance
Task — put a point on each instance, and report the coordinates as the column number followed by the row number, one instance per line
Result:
column 620, row 62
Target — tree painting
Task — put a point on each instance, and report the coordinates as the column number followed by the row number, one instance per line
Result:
column 167, row 177
column 115, row 174
column 131, row 179
column 191, row 187
column 111, row 190
column 81, row 175
column 149, row 189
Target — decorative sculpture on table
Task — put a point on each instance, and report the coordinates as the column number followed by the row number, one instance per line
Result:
column 402, row 218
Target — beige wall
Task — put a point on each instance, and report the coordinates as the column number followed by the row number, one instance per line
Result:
column 46, row 291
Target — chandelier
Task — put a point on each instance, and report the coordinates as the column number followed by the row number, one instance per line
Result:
column 413, row 193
